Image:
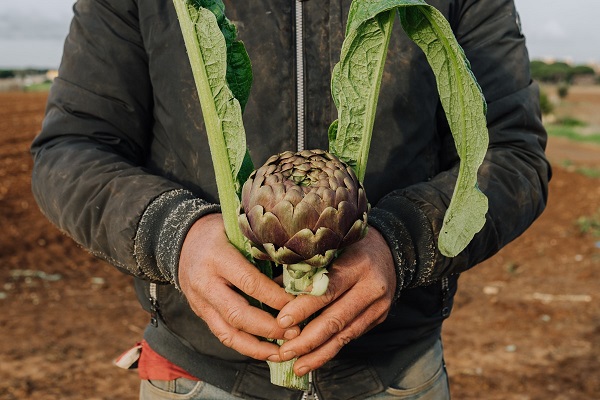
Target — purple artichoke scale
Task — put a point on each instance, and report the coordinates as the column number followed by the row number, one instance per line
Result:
column 302, row 208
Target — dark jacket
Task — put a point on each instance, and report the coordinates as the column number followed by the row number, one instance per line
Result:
column 123, row 166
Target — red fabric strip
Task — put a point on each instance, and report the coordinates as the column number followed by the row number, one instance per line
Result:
column 153, row 366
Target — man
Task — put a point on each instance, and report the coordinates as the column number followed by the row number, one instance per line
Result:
column 123, row 166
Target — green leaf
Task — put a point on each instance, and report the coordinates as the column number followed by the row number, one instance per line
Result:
column 222, row 113
column 465, row 110
column 356, row 80
column 363, row 10
column 239, row 72
column 239, row 68
column 217, row 7
column 355, row 88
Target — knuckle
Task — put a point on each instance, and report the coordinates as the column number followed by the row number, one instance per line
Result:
column 226, row 339
column 249, row 283
column 272, row 333
column 344, row 339
column 347, row 335
column 329, row 295
column 235, row 316
column 334, row 325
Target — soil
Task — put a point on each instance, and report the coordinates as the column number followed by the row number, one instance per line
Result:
column 526, row 324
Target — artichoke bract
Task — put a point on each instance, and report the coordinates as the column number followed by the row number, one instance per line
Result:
column 299, row 210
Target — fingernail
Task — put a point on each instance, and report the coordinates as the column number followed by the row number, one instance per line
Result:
column 290, row 334
column 286, row 321
column 303, row 371
column 274, row 358
column 288, row 355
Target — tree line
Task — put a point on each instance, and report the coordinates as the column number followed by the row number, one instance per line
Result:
column 561, row 72
column 555, row 72
column 14, row 73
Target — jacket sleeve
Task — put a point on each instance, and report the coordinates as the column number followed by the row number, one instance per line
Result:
column 88, row 176
column 515, row 173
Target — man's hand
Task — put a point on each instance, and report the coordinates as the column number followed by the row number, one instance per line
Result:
column 362, row 282
column 210, row 268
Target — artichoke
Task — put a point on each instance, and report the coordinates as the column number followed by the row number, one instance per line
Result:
column 299, row 210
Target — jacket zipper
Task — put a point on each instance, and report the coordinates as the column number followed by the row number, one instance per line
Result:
column 311, row 393
column 445, row 297
column 300, row 89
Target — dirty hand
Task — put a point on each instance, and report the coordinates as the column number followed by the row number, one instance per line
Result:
column 210, row 270
column 362, row 282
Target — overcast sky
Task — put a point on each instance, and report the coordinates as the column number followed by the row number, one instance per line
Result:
column 32, row 32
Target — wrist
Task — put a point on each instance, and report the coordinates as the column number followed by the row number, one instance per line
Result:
column 162, row 230
column 399, row 244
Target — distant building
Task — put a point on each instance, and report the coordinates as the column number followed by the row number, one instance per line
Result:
column 51, row 74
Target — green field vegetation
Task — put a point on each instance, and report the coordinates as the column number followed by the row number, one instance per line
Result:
column 590, row 172
column 572, row 132
column 590, row 224
column 38, row 87
column 572, row 129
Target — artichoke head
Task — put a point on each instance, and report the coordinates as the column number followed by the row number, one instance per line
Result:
column 299, row 210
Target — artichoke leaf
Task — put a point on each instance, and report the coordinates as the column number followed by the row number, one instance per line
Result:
column 239, row 68
column 221, row 110
column 465, row 109
column 355, row 86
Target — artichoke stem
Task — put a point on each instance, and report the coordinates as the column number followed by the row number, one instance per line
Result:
column 297, row 278
column 282, row 374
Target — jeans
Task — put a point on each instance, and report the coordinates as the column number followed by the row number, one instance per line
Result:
column 182, row 389
column 426, row 379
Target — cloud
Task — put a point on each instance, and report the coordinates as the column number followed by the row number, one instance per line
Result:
column 561, row 29
column 552, row 29
column 30, row 53
column 21, row 25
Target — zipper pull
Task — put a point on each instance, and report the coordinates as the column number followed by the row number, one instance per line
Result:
column 311, row 393
column 153, row 304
